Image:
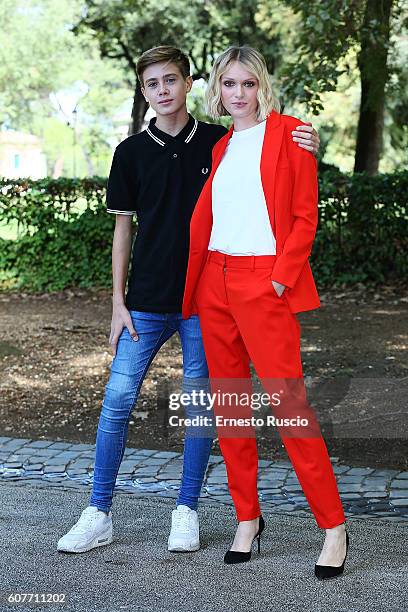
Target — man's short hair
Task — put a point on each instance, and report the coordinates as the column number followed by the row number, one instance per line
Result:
column 163, row 53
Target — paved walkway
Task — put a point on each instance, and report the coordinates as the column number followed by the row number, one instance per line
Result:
column 136, row 572
column 366, row 492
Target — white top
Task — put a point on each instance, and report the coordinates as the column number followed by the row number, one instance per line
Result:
column 241, row 224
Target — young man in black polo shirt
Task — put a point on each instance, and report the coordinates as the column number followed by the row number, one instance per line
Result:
column 156, row 175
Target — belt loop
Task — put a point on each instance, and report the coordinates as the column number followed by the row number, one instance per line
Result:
column 253, row 262
column 208, row 255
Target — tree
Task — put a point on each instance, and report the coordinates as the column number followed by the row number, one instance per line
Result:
column 203, row 29
column 42, row 63
column 327, row 38
column 125, row 29
column 374, row 71
column 34, row 44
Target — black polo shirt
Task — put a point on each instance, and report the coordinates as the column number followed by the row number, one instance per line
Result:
column 159, row 177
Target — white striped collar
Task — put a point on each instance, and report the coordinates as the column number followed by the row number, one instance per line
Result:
column 162, row 138
column 193, row 131
column 160, row 142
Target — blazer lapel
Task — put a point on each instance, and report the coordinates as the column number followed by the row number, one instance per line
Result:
column 269, row 158
column 201, row 222
column 271, row 147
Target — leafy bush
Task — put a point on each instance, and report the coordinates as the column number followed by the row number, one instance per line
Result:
column 363, row 228
column 65, row 235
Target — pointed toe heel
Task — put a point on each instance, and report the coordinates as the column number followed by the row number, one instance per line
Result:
column 326, row 572
column 236, row 556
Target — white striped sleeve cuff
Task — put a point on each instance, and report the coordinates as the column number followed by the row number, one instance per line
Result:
column 121, row 212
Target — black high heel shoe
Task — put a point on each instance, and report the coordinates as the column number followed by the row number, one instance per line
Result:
column 236, row 556
column 325, row 572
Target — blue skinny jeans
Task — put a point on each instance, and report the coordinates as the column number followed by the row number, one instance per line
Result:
column 128, row 369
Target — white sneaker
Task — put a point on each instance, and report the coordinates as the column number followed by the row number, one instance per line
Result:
column 185, row 530
column 94, row 528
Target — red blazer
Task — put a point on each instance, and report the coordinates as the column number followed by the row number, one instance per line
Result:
column 289, row 180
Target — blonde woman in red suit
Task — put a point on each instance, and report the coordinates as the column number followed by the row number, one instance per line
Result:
column 248, row 275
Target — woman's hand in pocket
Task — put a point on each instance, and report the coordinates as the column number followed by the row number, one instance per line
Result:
column 279, row 288
column 120, row 318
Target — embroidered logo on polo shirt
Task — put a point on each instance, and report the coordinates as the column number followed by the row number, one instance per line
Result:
column 204, row 170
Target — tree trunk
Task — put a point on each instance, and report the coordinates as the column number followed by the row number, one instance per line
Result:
column 372, row 63
column 139, row 109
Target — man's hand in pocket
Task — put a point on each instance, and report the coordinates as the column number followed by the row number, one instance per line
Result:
column 120, row 319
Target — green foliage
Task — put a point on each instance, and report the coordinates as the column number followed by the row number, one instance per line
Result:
column 343, row 47
column 202, row 29
column 322, row 36
column 65, row 234
column 46, row 71
column 55, row 54
column 34, row 44
column 363, row 228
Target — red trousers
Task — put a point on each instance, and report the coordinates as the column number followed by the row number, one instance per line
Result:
column 243, row 320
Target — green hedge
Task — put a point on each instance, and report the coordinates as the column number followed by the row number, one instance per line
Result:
column 65, row 235
column 362, row 234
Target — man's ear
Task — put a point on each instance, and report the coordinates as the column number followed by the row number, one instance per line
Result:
column 189, row 83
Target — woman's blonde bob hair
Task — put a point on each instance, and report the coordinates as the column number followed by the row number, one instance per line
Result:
column 255, row 63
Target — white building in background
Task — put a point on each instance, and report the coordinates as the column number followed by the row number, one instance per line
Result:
column 21, row 156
